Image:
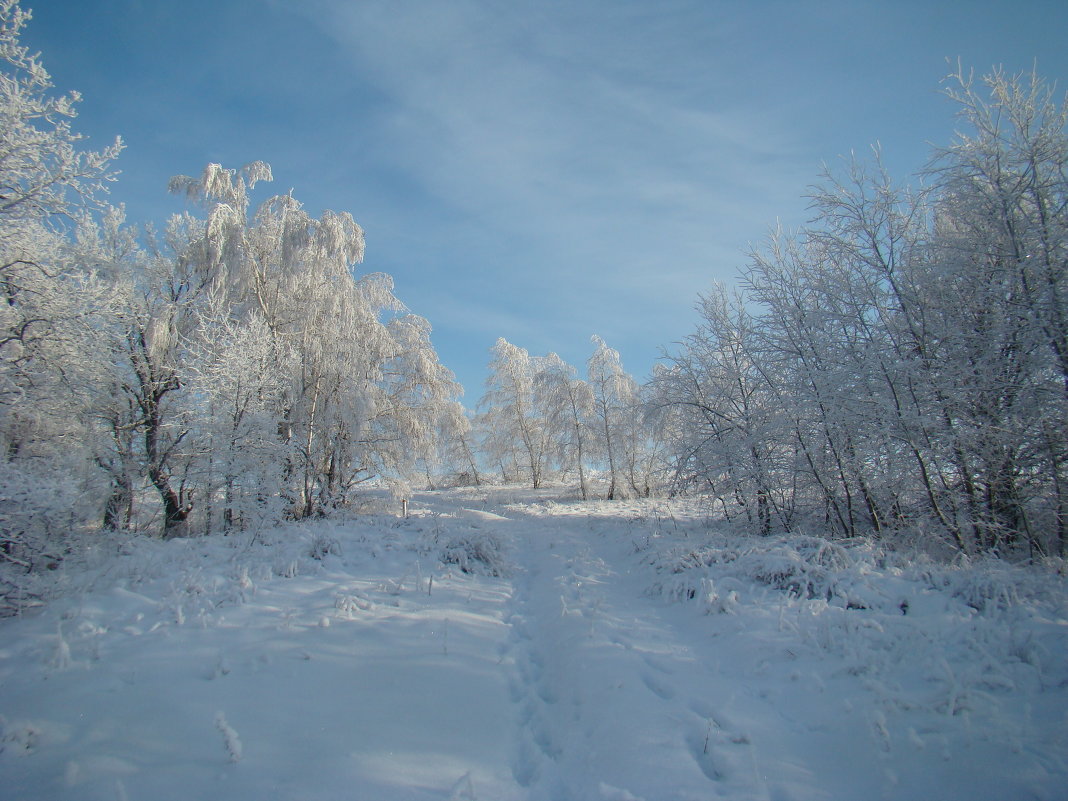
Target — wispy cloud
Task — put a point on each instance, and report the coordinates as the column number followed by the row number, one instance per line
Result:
column 512, row 114
column 606, row 153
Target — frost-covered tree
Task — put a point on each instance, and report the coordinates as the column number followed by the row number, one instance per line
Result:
column 568, row 404
column 516, row 428
column 451, row 458
column 46, row 181
column 904, row 352
column 149, row 415
column 614, row 403
column 43, row 171
column 1002, row 232
column 362, row 388
column 238, row 376
column 49, row 311
column 252, row 373
column 643, row 446
column 540, row 419
column 717, row 408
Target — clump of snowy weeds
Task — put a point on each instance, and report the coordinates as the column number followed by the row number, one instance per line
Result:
column 475, row 551
column 478, row 552
column 954, row 638
column 851, row 574
column 801, row 567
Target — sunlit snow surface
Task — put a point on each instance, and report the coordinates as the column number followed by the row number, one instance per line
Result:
column 623, row 651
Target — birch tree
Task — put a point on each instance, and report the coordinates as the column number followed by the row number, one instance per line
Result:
column 614, row 396
column 239, row 375
column 46, row 181
column 511, row 411
column 568, row 405
column 363, row 388
column 1004, row 228
column 719, row 408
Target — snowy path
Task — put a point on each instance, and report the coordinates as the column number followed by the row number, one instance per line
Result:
column 623, row 695
column 360, row 661
column 602, row 680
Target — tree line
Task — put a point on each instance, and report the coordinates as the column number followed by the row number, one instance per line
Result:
column 900, row 364
column 539, row 420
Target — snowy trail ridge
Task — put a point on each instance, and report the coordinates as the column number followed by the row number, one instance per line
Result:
column 506, row 644
column 602, row 685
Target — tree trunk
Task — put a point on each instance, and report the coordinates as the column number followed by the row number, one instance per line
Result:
column 175, row 511
column 118, row 510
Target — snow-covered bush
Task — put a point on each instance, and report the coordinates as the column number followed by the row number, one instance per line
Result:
column 321, row 545
column 990, row 585
column 802, row 567
column 477, row 552
column 35, row 515
column 717, row 600
column 806, row 567
column 680, row 569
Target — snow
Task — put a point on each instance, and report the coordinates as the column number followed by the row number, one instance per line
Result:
column 510, row 644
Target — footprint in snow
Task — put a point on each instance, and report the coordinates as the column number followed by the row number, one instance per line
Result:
column 656, row 664
column 525, row 766
column 659, row 688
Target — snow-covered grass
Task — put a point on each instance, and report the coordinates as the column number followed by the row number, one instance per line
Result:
column 508, row 644
column 968, row 661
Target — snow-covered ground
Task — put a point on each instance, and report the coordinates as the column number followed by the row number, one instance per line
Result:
column 506, row 644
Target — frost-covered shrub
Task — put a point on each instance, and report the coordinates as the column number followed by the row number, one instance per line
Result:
column 35, row 511
column 682, row 560
column 805, row 567
column 35, row 518
column 796, row 572
column 717, row 600
column 463, row 478
column 681, row 569
column 984, row 590
column 991, row 585
column 321, row 545
column 231, row 740
column 677, row 586
column 476, row 552
column 802, row 567
column 286, row 568
column 18, row 737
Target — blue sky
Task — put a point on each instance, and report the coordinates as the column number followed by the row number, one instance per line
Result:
column 541, row 171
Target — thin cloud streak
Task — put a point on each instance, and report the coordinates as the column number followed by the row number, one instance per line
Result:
column 598, row 168
column 500, row 132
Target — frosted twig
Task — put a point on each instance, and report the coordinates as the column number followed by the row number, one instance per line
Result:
column 230, row 738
